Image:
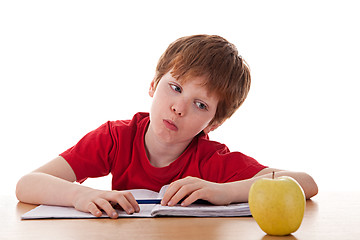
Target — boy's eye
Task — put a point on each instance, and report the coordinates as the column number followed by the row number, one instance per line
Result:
column 175, row 88
column 201, row 105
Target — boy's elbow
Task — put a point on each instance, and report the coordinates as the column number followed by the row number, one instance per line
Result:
column 306, row 182
column 309, row 186
column 20, row 188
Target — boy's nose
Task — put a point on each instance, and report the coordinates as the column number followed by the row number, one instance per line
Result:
column 176, row 110
column 180, row 106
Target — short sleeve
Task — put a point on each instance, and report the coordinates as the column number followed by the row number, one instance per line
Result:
column 225, row 166
column 91, row 156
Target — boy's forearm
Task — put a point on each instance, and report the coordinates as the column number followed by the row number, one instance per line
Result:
column 41, row 188
column 240, row 190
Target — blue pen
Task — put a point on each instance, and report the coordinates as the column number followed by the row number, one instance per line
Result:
column 158, row 201
column 148, row 201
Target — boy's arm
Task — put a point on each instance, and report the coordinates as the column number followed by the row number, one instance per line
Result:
column 53, row 184
column 225, row 193
column 42, row 185
column 305, row 180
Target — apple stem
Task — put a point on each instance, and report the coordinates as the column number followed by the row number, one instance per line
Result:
column 273, row 175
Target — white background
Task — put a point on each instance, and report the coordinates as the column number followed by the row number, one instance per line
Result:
column 66, row 67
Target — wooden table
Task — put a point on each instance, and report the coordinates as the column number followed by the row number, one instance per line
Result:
column 327, row 216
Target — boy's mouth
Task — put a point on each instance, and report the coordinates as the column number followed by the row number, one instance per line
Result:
column 170, row 125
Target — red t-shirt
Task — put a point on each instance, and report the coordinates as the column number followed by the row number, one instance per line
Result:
column 117, row 147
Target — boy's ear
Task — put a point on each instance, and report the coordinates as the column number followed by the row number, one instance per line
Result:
column 152, row 88
column 212, row 127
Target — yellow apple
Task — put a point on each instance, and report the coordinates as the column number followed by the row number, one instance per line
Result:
column 277, row 204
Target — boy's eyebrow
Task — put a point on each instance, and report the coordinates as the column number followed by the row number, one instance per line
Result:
column 208, row 95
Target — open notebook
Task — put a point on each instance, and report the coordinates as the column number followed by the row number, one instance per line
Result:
column 146, row 210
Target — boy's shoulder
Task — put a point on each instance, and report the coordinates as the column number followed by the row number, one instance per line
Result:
column 137, row 119
column 207, row 145
column 118, row 128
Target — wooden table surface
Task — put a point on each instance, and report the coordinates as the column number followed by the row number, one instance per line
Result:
column 328, row 216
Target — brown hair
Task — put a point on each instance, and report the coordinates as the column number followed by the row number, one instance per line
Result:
column 227, row 74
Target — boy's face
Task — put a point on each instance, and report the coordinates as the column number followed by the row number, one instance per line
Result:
column 180, row 111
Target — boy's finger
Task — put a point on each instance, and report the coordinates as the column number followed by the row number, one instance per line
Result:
column 172, row 190
column 94, row 210
column 125, row 200
column 183, row 192
column 107, row 207
column 125, row 204
column 196, row 195
column 169, row 193
column 131, row 199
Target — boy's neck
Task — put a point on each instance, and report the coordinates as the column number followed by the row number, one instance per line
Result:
column 161, row 154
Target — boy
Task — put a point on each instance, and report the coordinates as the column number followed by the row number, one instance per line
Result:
column 200, row 81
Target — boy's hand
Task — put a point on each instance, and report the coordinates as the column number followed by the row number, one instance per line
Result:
column 93, row 201
column 192, row 189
